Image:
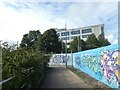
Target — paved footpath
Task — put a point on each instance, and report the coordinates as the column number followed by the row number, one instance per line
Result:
column 61, row 77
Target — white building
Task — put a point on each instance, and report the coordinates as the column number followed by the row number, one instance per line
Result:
column 82, row 32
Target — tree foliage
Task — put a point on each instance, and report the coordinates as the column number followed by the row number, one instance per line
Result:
column 102, row 41
column 76, row 44
column 26, row 65
column 49, row 42
column 29, row 39
column 62, row 44
column 92, row 42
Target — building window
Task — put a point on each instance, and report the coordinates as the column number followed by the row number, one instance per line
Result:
column 67, row 33
column 75, row 37
column 86, row 30
column 68, row 38
column 75, row 32
column 85, row 36
column 62, row 38
column 64, row 33
column 65, row 38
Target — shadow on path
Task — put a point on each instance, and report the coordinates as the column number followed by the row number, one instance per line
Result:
column 61, row 77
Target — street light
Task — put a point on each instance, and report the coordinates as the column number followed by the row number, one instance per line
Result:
column 78, row 44
column 79, row 47
column 66, row 46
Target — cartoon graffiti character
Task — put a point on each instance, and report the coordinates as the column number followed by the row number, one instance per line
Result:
column 115, row 57
column 108, row 66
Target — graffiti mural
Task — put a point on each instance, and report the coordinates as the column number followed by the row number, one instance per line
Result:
column 59, row 59
column 109, row 66
column 101, row 64
column 91, row 62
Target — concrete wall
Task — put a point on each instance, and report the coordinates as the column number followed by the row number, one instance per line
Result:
column 101, row 63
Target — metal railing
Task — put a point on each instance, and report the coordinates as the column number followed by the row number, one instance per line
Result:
column 6, row 80
column 24, row 85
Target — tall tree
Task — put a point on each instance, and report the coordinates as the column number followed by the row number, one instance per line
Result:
column 92, row 42
column 62, row 46
column 29, row 39
column 103, row 41
column 49, row 42
column 76, row 44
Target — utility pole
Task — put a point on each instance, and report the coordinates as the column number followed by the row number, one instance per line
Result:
column 72, row 57
column 78, row 44
column 66, row 45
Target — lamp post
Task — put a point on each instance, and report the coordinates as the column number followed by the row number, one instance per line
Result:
column 78, row 44
column 66, row 46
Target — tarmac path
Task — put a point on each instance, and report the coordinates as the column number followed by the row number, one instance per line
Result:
column 61, row 77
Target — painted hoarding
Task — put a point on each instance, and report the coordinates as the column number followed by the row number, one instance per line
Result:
column 101, row 63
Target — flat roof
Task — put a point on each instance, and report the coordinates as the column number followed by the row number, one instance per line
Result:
column 63, row 29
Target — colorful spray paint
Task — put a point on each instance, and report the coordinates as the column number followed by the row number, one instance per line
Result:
column 101, row 63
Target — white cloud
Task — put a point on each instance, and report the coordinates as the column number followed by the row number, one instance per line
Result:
column 111, row 38
column 115, row 41
column 17, row 19
column 15, row 24
column 63, row 0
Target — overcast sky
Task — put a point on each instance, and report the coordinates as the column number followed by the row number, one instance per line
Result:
column 18, row 18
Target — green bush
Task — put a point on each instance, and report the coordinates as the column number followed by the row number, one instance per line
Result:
column 27, row 65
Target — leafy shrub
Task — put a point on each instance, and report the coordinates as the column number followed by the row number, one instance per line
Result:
column 28, row 66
